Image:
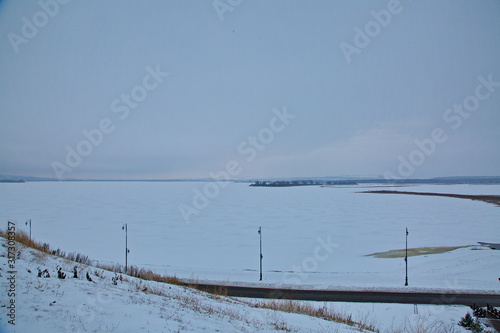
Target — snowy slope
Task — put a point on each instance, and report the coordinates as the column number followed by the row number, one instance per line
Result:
column 134, row 305
column 77, row 305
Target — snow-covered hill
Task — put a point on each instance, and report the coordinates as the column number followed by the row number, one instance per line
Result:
column 132, row 305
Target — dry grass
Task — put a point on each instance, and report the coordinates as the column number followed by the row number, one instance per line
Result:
column 41, row 256
column 99, row 274
column 199, row 304
column 307, row 309
column 23, row 238
column 142, row 273
column 279, row 324
column 423, row 325
column 81, row 258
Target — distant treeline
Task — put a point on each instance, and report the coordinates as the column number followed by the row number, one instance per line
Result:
column 436, row 181
column 11, row 181
column 283, row 183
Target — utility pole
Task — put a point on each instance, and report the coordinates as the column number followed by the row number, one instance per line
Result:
column 29, row 222
column 406, row 258
column 261, row 256
column 125, row 227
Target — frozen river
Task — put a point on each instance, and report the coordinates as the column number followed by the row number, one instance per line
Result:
column 311, row 235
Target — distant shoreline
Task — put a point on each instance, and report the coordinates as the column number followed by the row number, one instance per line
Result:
column 492, row 199
column 12, row 181
column 287, row 182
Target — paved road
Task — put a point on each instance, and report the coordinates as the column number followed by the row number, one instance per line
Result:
column 357, row 296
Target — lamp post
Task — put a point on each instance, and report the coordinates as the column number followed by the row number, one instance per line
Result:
column 125, row 227
column 28, row 222
column 261, row 256
column 406, row 258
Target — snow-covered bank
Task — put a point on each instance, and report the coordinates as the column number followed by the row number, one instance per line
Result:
column 132, row 305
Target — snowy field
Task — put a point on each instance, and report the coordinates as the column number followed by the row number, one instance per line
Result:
column 312, row 236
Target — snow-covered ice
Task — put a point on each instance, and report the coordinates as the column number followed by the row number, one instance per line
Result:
column 221, row 242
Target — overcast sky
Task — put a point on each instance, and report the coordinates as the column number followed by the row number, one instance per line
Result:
column 175, row 89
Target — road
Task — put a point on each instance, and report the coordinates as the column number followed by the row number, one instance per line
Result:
column 356, row 296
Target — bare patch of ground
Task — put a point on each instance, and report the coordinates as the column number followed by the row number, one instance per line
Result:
column 492, row 199
column 418, row 251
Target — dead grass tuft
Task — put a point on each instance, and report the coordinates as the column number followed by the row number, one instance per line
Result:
column 423, row 325
column 307, row 309
column 23, row 237
column 279, row 324
column 80, row 258
column 142, row 273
